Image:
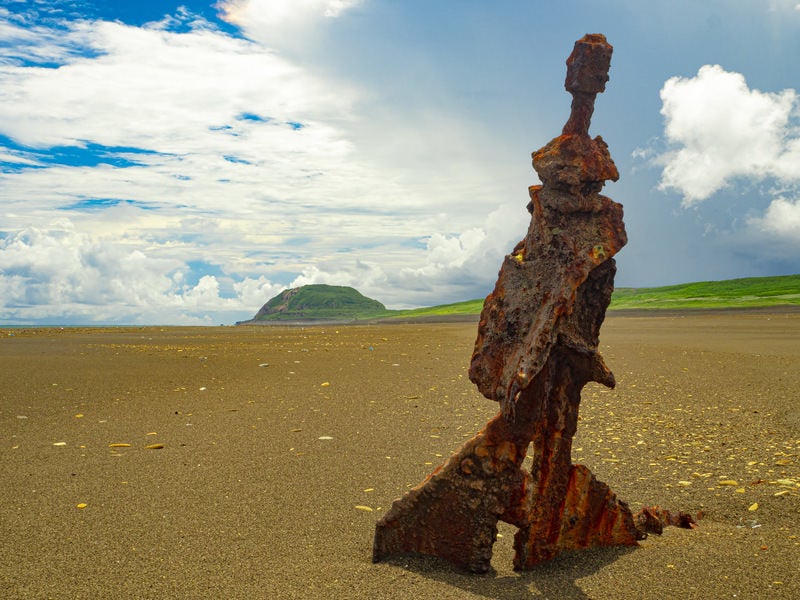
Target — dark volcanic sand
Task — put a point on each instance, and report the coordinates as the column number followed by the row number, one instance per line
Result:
column 247, row 499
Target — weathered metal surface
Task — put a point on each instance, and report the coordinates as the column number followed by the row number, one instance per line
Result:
column 573, row 229
column 536, row 348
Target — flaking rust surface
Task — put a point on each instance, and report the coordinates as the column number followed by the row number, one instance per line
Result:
column 536, row 348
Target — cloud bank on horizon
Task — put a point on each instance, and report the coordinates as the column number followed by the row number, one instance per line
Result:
column 183, row 164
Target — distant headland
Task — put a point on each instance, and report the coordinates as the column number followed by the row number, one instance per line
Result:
column 318, row 303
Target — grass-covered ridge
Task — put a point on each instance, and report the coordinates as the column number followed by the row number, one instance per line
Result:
column 749, row 292
column 468, row 307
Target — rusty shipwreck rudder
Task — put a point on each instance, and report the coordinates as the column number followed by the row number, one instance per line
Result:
column 537, row 346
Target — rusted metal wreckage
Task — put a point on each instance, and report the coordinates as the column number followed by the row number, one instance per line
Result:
column 536, row 349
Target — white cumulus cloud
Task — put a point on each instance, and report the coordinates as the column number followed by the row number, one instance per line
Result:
column 723, row 131
column 160, row 90
column 57, row 272
column 782, row 218
column 282, row 23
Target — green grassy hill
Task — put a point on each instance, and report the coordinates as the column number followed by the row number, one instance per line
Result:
column 749, row 292
column 469, row 307
column 319, row 302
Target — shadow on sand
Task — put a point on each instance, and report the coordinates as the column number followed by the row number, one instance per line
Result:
column 553, row 580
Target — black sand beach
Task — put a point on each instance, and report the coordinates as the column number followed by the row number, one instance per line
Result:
column 253, row 462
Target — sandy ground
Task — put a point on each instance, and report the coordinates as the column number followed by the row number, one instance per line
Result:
column 282, row 447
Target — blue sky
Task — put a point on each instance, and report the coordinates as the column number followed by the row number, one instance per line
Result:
column 183, row 162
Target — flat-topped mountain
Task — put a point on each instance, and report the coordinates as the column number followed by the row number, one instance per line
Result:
column 319, row 302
